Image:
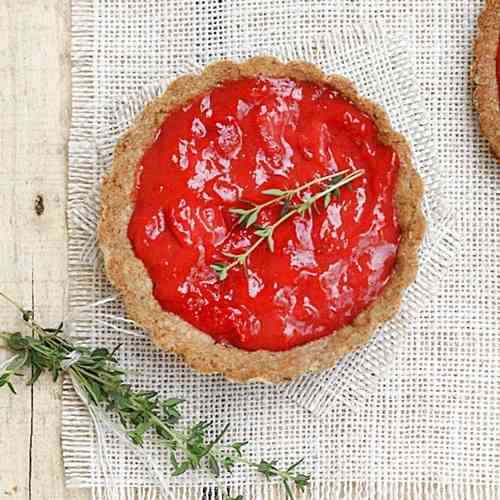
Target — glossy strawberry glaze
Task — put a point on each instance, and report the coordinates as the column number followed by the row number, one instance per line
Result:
column 231, row 144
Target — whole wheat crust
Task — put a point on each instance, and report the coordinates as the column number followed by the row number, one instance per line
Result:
column 171, row 332
column 484, row 76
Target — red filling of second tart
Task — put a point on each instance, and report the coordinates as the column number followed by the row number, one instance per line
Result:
column 230, row 145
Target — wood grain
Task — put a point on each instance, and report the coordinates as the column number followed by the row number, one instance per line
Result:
column 34, row 127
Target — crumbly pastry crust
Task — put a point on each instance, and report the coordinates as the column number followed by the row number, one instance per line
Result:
column 484, row 75
column 171, row 332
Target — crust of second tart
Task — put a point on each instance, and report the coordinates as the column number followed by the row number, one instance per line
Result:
column 486, row 96
column 172, row 333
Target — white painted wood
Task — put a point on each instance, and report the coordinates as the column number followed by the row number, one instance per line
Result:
column 34, row 124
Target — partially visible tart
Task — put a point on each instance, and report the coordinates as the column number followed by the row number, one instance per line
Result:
column 221, row 141
column 486, row 73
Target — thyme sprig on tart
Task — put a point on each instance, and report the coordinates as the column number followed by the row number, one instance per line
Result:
column 248, row 217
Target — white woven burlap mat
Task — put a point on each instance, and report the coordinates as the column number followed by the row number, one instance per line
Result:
column 434, row 420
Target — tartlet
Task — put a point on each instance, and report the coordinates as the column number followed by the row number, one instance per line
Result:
column 160, row 173
column 486, row 73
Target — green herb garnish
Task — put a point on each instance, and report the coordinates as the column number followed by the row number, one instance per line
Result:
column 102, row 381
column 248, row 217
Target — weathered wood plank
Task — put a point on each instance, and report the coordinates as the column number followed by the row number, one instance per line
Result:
column 16, row 270
column 35, row 98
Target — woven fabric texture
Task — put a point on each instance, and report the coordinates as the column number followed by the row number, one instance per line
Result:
column 435, row 417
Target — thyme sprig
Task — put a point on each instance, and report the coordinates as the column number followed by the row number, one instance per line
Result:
column 248, row 217
column 102, row 381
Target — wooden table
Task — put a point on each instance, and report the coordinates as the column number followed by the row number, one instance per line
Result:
column 35, row 91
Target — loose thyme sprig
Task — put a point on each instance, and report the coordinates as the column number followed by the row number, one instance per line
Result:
column 248, row 217
column 98, row 375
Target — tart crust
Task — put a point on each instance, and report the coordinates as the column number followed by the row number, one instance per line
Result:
column 486, row 97
column 172, row 333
